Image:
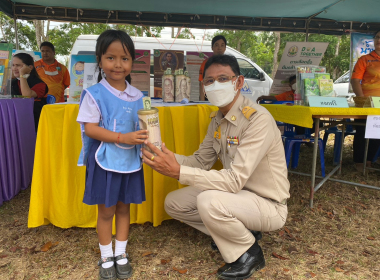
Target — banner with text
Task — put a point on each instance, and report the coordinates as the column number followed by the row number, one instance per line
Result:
column 194, row 61
column 296, row 53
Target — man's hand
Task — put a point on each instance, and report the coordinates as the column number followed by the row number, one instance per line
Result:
column 163, row 162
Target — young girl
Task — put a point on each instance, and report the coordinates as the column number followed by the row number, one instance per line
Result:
column 111, row 149
column 28, row 83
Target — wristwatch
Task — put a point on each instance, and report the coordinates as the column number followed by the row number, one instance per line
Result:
column 25, row 76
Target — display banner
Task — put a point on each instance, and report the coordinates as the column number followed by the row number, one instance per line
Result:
column 140, row 74
column 361, row 44
column 194, row 61
column 296, row 53
column 36, row 55
column 164, row 59
column 78, row 81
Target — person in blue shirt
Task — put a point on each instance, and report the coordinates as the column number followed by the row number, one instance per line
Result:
column 111, row 149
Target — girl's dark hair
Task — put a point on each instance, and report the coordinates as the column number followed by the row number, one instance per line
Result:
column 106, row 39
column 27, row 59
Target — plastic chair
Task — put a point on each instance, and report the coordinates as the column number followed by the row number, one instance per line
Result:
column 295, row 142
column 337, row 141
column 50, row 99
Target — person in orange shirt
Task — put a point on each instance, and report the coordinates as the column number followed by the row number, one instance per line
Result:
column 365, row 81
column 218, row 46
column 285, row 96
column 53, row 73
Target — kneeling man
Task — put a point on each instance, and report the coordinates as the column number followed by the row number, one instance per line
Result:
column 249, row 194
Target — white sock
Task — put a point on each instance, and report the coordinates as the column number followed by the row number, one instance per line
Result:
column 120, row 247
column 106, row 252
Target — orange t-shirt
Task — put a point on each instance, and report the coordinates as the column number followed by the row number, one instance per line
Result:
column 285, row 96
column 56, row 76
column 201, row 70
column 367, row 69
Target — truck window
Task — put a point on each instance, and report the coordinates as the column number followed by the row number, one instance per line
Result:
column 247, row 69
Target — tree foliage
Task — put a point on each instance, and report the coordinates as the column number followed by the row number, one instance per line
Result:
column 26, row 33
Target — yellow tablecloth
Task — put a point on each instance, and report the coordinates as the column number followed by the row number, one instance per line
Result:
column 302, row 115
column 58, row 183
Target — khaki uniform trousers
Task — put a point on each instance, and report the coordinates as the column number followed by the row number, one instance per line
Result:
column 227, row 217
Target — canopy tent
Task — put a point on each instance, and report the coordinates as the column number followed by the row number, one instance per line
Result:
column 334, row 17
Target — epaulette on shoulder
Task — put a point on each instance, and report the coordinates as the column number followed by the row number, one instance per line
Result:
column 213, row 114
column 248, row 112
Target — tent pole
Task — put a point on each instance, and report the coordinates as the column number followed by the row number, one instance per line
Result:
column 307, row 31
column 16, row 35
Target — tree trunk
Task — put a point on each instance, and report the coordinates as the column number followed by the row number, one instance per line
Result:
column 275, row 53
column 172, row 32
column 238, row 44
column 335, row 73
column 39, row 25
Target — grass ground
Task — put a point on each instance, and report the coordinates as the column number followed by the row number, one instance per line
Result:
column 338, row 239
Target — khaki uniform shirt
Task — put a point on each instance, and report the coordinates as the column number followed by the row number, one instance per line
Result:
column 257, row 163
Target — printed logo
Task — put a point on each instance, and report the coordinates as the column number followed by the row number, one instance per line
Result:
column 292, row 51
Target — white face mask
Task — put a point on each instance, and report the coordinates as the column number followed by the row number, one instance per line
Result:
column 294, row 86
column 220, row 94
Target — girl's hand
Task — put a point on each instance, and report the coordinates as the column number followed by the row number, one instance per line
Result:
column 134, row 138
column 25, row 70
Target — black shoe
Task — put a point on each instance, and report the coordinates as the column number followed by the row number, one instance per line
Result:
column 106, row 273
column 243, row 267
column 123, row 271
column 257, row 234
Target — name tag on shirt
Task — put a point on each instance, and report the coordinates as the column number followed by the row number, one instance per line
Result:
column 217, row 133
column 50, row 73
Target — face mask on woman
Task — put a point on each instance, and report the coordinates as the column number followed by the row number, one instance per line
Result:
column 293, row 86
column 221, row 94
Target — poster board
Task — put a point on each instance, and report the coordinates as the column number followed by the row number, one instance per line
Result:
column 140, row 75
column 296, row 53
column 361, row 44
column 77, row 75
column 36, row 55
column 194, row 61
column 164, row 59
column 5, row 70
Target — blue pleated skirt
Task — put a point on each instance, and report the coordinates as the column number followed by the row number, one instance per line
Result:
column 107, row 187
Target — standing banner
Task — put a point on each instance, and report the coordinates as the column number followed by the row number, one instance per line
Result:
column 78, row 80
column 361, row 44
column 140, row 74
column 36, row 55
column 164, row 59
column 296, row 53
column 194, row 61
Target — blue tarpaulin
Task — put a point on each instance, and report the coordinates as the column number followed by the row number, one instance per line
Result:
column 313, row 16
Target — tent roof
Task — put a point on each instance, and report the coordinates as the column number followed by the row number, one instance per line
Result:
column 323, row 16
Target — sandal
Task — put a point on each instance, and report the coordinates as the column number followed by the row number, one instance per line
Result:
column 123, row 271
column 106, row 273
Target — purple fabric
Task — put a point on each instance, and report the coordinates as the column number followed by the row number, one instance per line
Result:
column 17, row 143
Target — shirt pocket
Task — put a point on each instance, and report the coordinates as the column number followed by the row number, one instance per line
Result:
column 124, row 126
column 216, row 146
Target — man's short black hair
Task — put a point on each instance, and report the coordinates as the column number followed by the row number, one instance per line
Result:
column 217, row 38
column 47, row 44
column 291, row 78
column 225, row 60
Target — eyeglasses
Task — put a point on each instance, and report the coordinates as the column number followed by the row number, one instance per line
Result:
column 376, row 38
column 220, row 79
